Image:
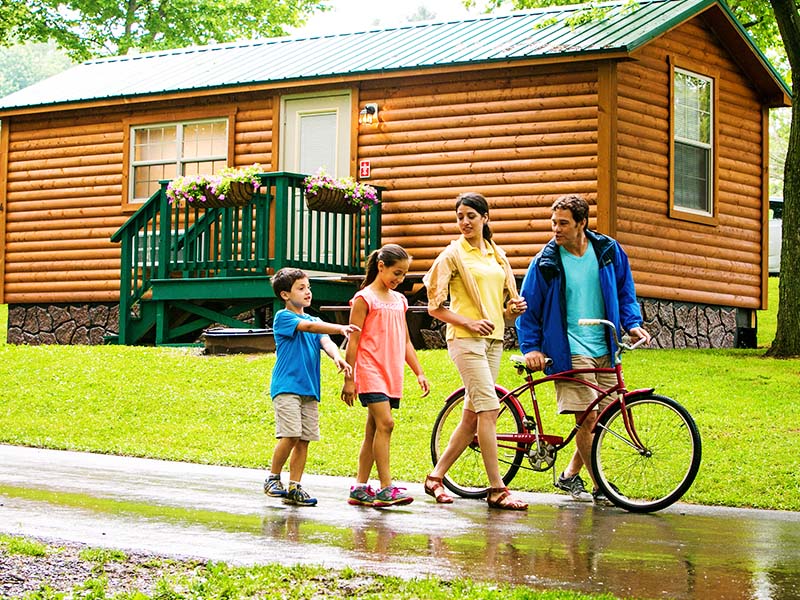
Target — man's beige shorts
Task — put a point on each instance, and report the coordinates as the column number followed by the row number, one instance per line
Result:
column 478, row 363
column 575, row 397
column 296, row 417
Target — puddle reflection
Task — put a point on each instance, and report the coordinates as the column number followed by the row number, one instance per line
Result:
column 580, row 548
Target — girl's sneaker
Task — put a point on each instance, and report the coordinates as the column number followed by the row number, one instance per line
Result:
column 361, row 495
column 391, row 496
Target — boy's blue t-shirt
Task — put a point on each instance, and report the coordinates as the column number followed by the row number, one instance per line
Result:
column 297, row 365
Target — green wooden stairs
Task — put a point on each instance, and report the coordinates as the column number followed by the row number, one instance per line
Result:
column 186, row 267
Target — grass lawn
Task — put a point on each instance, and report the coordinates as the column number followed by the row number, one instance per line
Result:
column 177, row 404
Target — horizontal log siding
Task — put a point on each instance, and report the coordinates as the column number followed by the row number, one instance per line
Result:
column 65, row 195
column 674, row 259
column 521, row 137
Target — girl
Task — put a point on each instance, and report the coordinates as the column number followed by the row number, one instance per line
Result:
column 377, row 353
column 475, row 274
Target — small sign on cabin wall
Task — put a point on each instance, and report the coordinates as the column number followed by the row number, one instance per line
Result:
column 364, row 168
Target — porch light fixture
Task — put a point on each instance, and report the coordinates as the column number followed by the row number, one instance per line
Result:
column 368, row 114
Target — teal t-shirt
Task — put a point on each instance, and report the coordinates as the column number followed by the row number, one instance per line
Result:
column 584, row 301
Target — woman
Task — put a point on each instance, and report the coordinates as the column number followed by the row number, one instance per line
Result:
column 476, row 275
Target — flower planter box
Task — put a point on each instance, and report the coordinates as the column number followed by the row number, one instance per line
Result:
column 239, row 194
column 231, row 340
column 331, row 200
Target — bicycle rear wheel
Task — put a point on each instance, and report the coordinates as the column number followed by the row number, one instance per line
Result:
column 467, row 476
column 649, row 479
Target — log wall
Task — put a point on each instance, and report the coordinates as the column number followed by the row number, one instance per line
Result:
column 521, row 137
column 672, row 259
column 65, row 193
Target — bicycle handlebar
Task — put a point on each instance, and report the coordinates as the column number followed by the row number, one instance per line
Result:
column 613, row 329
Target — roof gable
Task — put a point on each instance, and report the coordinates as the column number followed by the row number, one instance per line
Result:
column 541, row 34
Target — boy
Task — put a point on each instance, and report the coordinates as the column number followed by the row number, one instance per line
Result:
column 295, row 387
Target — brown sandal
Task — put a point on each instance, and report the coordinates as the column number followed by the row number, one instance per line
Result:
column 504, row 500
column 437, row 490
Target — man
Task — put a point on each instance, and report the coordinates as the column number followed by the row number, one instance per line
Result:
column 578, row 274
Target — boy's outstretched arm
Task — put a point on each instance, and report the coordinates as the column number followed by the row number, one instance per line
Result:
column 324, row 327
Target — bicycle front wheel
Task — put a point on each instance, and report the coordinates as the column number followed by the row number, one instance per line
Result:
column 467, row 476
column 653, row 476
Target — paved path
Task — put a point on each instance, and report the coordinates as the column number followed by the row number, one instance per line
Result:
column 219, row 513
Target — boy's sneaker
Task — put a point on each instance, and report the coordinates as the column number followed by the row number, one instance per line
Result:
column 574, row 486
column 299, row 497
column 361, row 495
column 274, row 488
column 391, row 496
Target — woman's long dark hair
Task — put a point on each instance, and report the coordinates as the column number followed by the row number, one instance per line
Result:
column 389, row 255
column 478, row 202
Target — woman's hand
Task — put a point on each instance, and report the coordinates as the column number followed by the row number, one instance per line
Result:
column 482, row 327
column 515, row 307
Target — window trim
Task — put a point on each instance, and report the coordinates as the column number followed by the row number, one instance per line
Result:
column 679, row 212
column 227, row 113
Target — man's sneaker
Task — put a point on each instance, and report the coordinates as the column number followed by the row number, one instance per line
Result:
column 299, row 497
column 391, row 496
column 574, row 486
column 361, row 495
column 274, row 488
column 600, row 499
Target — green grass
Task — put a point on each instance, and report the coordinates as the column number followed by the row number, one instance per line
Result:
column 17, row 545
column 177, row 404
column 191, row 579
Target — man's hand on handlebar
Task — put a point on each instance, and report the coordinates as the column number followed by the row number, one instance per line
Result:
column 639, row 333
column 536, row 361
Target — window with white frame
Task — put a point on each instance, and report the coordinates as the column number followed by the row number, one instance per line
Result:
column 168, row 150
column 693, row 153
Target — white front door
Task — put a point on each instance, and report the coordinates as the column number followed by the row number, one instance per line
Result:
column 316, row 134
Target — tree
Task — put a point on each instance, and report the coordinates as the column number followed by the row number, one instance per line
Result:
column 787, row 336
column 775, row 27
column 21, row 66
column 92, row 28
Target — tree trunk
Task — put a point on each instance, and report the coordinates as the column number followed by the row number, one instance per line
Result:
column 787, row 336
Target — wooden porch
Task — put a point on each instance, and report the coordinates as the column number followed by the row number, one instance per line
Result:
column 186, row 267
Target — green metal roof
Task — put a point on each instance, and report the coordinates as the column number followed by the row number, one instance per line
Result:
column 543, row 33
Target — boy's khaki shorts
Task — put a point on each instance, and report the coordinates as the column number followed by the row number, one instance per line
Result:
column 296, row 417
column 575, row 397
column 478, row 363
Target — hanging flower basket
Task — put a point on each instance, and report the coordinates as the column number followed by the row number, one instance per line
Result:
column 343, row 195
column 232, row 187
column 331, row 200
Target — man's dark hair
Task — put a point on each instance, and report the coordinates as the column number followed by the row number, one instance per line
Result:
column 574, row 204
column 284, row 279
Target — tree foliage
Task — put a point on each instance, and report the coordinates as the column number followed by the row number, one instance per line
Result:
column 92, row 28
column 775, row 28
column 21, row 66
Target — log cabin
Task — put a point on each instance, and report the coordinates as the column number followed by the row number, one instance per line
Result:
column 657, row 113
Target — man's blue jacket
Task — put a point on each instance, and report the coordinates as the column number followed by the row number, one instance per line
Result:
column 543, row 326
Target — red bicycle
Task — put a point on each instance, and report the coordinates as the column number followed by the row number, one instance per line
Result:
column 646, row 450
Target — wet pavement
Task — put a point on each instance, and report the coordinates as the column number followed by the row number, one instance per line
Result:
column 220, row 513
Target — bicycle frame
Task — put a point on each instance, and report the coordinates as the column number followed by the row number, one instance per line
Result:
column 536, row 433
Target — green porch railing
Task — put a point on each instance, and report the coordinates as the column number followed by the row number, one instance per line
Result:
column 202, row 250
